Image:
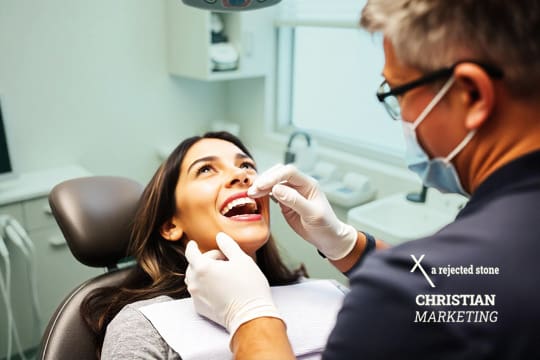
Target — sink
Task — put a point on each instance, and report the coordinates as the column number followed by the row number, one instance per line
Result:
column 394, row 219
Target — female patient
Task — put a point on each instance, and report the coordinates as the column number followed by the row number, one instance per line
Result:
column 197, row 192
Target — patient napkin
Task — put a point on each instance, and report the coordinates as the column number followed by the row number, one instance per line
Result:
column 309, row 309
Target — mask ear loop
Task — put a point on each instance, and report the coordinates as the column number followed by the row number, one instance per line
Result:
column 430, row 107
column 460, row 147
column 433, row 102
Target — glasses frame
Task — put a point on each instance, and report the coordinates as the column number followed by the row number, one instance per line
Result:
column 426, row 79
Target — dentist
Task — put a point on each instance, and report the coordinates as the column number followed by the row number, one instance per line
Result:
column 464, row 78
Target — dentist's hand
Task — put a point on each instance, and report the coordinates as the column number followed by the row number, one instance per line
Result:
column 229, row 292
column 306, row 209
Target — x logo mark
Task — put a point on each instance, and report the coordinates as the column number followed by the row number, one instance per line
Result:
column 419, row 266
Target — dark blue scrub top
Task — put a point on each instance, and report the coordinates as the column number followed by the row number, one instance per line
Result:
column 393, row 313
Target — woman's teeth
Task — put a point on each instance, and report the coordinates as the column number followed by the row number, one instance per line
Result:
column 251, row 205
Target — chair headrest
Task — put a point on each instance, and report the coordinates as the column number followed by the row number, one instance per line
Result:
column 95, row 215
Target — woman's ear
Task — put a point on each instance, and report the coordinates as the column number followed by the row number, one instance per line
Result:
column 478, row 94
column 171, row 231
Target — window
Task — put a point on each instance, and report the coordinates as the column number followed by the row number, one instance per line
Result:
column 328, row 73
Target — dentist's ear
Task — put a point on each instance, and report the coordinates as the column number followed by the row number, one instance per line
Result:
column 171, row 231
column 479, row 94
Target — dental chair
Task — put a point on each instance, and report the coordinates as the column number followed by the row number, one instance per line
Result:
column 95, row 215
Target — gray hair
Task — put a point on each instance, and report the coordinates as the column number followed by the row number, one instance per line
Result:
column 430, row 34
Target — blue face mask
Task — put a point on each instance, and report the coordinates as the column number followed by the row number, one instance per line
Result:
column 439, row 172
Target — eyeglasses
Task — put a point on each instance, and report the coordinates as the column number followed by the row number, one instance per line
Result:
column 389, row 96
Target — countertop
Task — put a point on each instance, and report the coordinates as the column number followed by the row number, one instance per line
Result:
column 35, row 184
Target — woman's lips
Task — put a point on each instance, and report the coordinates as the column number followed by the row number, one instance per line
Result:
column 246, row 217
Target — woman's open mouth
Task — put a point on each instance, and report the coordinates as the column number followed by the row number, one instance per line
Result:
column 240, row 207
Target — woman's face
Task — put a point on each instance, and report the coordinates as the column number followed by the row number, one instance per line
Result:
column 211, row 196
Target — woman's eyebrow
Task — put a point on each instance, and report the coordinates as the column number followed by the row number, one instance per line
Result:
column 203, row 159
column 242, row 156
column 214, row 158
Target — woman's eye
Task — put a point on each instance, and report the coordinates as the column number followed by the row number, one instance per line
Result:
column 248, row 165
column 204, row 169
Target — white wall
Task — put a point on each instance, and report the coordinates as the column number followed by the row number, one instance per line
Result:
column 86, row 82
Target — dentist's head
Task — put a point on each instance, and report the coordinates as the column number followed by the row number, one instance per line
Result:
column 466, row 95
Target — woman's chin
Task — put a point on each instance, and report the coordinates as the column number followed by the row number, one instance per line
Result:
column 250, row 240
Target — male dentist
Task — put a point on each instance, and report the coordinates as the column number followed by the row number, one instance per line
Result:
column 463, row 77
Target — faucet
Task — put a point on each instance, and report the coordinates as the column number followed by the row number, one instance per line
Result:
column 418, row 197
column 289, row 155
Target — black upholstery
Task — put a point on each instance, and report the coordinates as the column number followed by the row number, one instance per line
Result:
column 66, row 335
column 95, row 215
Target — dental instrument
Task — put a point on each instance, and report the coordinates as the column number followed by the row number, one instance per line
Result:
column 5, row 255
column 5, row 286
column 14, row 232
column 20, row 238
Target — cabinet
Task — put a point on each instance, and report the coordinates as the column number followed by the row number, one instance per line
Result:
column 189, row 38
column 58, row 272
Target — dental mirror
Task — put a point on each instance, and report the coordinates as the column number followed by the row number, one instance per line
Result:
column 230, row 5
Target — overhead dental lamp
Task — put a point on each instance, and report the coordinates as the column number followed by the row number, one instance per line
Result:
column 230, row 5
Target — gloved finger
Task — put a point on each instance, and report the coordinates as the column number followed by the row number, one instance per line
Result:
column 296, row 178
column 194, row 256
column 191, row 281
column 189, row 276
column 228, row 246
column 288, row 174
column 214, row 255
column 293, row 200
column 259, row 187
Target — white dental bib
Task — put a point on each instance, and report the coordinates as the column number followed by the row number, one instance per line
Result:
column 309, row 308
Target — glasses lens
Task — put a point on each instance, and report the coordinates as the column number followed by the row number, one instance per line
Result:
column 390, row 102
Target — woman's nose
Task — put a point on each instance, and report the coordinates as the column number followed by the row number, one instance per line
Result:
column 240, row 177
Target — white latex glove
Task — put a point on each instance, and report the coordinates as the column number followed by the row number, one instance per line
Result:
column 228, row 292
column 306, row 210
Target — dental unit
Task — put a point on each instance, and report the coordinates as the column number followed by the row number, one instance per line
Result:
column 11, row 230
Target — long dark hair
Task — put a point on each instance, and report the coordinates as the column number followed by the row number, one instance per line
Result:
column 160, row 264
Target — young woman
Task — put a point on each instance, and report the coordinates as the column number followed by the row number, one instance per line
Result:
column 200, row 190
